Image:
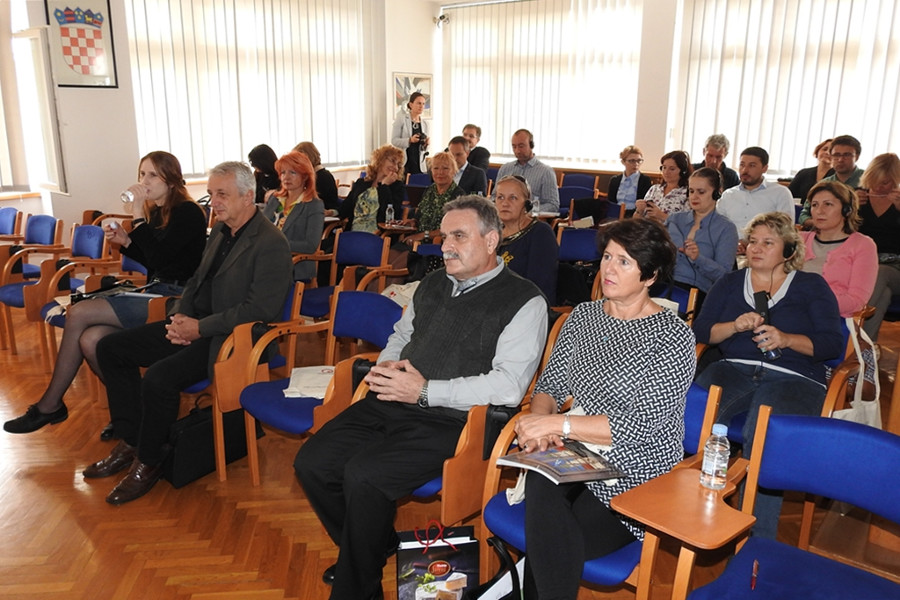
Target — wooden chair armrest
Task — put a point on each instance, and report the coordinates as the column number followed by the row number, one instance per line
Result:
column 464, row 471
column 379, row 273
column 677, row 505
column 340, row 393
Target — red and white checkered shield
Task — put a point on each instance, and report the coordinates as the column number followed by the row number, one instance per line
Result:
column 81, row 38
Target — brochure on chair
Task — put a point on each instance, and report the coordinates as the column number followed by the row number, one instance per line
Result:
column 568, row 463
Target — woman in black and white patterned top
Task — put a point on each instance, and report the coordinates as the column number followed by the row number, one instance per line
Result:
column 628, row 364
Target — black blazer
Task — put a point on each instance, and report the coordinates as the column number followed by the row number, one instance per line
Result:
column 480, row 157
column 473, row 180
column 387, row 194
column 644, row 184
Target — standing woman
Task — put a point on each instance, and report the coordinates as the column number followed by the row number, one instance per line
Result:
column 808, row 177
column 633, row 405
column 168, row 236
column 430, row 210
column 528, row 247
column 670, row 196
column 847, row 259
column 326, row 188
column 632, row 185
column 706, row 240
column 879, row 199
column 410, row 133
column 369, row 197
column 262, row 159
column 297, row 211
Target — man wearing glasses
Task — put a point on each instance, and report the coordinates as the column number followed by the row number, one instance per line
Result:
column 845, row 151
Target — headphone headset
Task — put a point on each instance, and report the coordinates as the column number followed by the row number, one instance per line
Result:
column 531, row 142
column 789, row 249
column 716, row 194
column 846, row 209
column 529, row 205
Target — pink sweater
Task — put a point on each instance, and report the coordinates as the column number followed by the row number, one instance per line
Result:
column 850, row 270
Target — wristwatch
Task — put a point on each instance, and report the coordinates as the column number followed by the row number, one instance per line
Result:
column 567, row 427
column 423, row 396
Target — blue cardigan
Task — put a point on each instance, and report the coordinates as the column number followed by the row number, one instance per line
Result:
column 807, row 308
column 717, row 240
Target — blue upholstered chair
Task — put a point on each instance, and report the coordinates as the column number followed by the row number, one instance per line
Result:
column 504, row 525
column 351, row 249
column 10, row 224
column 577, row 244
column 418, row 179
column 568, row 193
column 580, row 179
column 817, row 456
column 88, row 242
column 357, row 315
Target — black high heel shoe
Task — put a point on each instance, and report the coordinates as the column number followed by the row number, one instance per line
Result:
column 33, row 419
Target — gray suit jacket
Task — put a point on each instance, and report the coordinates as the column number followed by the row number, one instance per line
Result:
column 303, row 230
column 251, row 285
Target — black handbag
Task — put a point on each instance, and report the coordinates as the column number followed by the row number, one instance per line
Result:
column 191, row 452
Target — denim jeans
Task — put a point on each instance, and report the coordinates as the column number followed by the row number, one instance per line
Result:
column 745, row 388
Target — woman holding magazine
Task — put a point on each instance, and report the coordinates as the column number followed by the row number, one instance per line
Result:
column 632, row 407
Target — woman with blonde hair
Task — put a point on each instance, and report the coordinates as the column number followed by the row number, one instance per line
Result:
column 430, row 210
column 631, row 185
column 370, row 196
column 297, row 210
column 777, row 359
column 879, row 199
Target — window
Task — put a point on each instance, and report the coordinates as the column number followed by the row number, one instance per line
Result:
column 567, row 70
column 214, row 78
column 786, row 74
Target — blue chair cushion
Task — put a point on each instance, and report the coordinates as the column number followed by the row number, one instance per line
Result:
column 614, row 568
column 197, row 387
column 11, row 294
column 787, row 573
column 31, row 271
column 316, row 302
column 505, row 521
column 736, row 428
column 266, row 402
column 429, row 489
column 56, row 320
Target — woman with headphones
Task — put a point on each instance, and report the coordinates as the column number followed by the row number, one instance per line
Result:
column 847, row 259
column 410, row 133
column 528, row 247
column 670, row 196
column 706, row 240
column 775, row 326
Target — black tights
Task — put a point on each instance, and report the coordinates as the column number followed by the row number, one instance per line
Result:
column 565, row 525
column 86, row 323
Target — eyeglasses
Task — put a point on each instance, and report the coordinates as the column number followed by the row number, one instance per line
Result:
column 843, row 155
column 634, row 161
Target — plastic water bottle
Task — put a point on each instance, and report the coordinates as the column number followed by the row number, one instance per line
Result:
column 389, row 214
column 715, row 458
column 127, row 196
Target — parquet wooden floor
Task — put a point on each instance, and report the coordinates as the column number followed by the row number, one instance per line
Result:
column 208, row 540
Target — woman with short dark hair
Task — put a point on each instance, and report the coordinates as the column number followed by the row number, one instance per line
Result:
column 627, row 363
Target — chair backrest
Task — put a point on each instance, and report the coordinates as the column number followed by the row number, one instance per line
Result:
column 492, row 173
column 577, row 244
column 419, row 179
column 291, row 309
column 580, row 179
column 360, row 248
column 133, row 266
column 428, row 249
column 567, row 193
column 615, row 211
column 365, row 315
column 88, row 241
column 845, row 331
column 43, row 230
column 686, row 299
column 838, row 459
column 697, row 422
column 10, row 220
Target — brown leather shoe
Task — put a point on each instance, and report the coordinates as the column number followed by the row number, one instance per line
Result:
column 120, row 458
column 140, row 479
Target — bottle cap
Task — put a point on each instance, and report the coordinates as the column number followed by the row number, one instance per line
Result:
column 720, row 429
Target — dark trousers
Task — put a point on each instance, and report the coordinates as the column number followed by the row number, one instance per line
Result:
column 143, row 408
column 355, row 469
column 565, row 525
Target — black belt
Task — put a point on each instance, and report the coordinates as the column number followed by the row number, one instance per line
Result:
column 169, row 281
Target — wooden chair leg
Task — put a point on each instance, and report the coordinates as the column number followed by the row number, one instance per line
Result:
column 219, row 442
column 645, row 568
column 683, row 573
column 252, row 449
column 10, row 332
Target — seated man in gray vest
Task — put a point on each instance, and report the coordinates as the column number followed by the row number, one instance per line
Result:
column 472, row 335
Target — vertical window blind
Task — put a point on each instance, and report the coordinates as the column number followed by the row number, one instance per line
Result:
column 786, row 74
column 567, row 70
column 214, row 78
